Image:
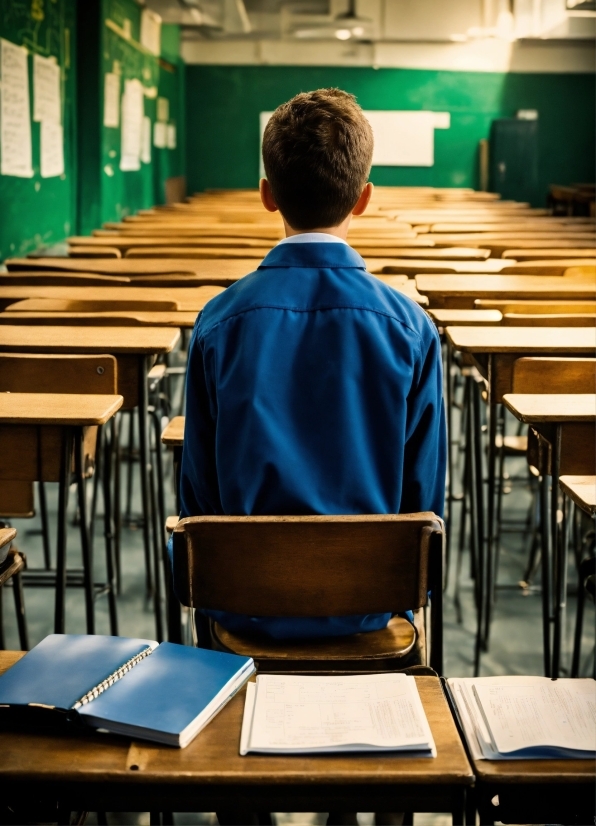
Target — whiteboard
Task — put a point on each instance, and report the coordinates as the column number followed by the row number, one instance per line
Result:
column 401, row 138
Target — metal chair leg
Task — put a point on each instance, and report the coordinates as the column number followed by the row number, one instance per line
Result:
column 19, row 604
column 65, row 466
column 109, row 530
column 84, row 530
column 45, row 525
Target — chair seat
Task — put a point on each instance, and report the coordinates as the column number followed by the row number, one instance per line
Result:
column 370, row 651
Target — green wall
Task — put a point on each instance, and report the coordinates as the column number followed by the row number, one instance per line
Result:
column 106, row 193
column 223, row 104
column 40, row 211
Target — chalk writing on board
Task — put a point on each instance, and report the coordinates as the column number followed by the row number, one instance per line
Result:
column 133, row 106
column 111, row 101
column 46, row 90
column 52, row 149
column 15, row 116
column 146, row 140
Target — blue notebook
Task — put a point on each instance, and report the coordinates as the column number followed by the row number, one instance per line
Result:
column 165, row 693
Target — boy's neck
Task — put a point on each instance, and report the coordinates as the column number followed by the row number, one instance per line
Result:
column 340, row 231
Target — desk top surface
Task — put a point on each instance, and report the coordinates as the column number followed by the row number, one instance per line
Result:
column 522, row 339
column 58, row 408
column 552, row 407
column 173, row 432
column 49, row 339
column 119, row 318
column 582, row 489
column 187, row 299
column 213, row 756
column 6, row 536
column 465, row 317
column 505, row 286
column 130, row 266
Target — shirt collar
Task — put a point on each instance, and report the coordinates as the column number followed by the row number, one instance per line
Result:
column 313, row 255
column 313, row 238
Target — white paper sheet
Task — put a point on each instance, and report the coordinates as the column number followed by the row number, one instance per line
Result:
column 46, row 90
column 160, row 135
column 133, row 105
column 15, row 116
column 163, row 110
column 111, row 101
column 146, row 140
column 51, row 149
column 171, row 136
column 151, row 31
column 294, row 714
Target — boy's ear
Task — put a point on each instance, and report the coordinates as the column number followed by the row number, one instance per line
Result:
column 364, row 199
column 267, row 196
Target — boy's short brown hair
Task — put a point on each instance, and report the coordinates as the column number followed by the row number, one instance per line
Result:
column 317, row 153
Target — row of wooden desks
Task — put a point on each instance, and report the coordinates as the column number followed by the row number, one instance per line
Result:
column 104, row 772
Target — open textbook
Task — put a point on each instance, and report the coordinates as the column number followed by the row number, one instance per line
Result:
column 507, row 718
column 287, row 714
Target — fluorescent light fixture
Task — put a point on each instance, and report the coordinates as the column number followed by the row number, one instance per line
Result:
column 343, row 34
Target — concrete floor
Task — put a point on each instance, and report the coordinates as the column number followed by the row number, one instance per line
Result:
column 516, row 643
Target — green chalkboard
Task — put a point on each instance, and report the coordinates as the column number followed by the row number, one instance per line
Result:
column 109, row 43
column 38, row 211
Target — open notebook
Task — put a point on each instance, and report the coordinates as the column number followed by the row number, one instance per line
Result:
column 166, row 693
column 289, row 714
column 508, row 718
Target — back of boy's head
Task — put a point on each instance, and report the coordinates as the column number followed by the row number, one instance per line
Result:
column 317, row 153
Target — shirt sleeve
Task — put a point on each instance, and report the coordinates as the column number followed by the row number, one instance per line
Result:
column 425, row 455
column 199, row 489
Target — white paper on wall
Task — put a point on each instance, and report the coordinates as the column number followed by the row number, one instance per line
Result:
column 403, row 138
column 15, row 115
column 111, row 100
column 146, row 140
column 160, row 136
column 151, row 31
column 133, row 106
column 46, row 90
column 163, row 109
column 171, row 136
column 51, row 149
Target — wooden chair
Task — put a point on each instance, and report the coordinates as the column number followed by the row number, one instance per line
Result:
column 91, row 306
column 309, row 566
column 37, row 451
column 94, row 252
column 11, row 566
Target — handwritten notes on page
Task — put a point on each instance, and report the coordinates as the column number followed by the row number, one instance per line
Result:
column 522, row 717
column 133, row 112
column 46, row 90
column 15, row 117
column 111, row 100
column 289, row 714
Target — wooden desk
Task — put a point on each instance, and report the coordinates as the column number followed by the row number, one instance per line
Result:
column 377, row 249
column 461, row 291
column 567, row 423
column 387, row 266
column 125, row 241
column 46, row 430
column 548, row 267
column 494, row 351
column 99, row 772
column 465, row 318
column 539, row 307
column 187, row 299
column 550, row 320
column 220, row 272
column 121, row 318
column 134, row 348
column 538, row 252
column 582, row 490
column 186, row 252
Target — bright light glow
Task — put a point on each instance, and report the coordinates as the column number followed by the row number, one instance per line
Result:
column 458, row 38
column 343, row 34
column 357, row 31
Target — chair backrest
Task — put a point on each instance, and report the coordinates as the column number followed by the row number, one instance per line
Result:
column 24, row 373
column 554, row 375
column 308, row 566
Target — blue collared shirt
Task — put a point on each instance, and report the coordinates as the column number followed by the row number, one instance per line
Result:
column 312, row 388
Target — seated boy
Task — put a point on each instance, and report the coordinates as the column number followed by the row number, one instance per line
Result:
column 312, row 387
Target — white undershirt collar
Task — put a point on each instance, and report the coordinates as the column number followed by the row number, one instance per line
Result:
column 313, row 238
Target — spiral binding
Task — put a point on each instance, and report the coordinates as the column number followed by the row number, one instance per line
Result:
column 113, row 678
